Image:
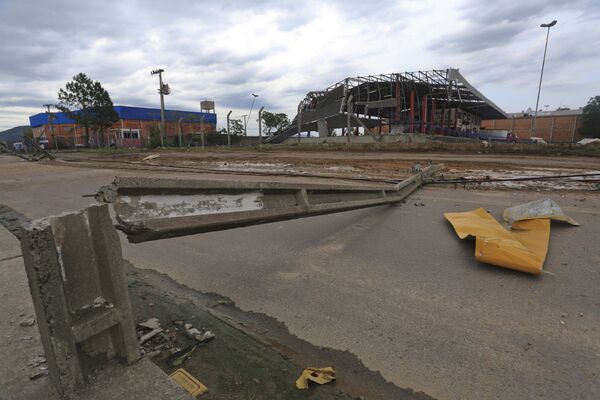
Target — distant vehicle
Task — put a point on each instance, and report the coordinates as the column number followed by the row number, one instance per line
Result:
column 43, row 142
column 19, row 147
column 537, row 140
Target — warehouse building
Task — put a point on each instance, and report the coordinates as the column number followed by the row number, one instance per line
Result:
column 560, row 126
column 131, row 130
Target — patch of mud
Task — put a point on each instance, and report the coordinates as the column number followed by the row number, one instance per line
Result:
column 580, row 184
column 12, row 220
column 253, row 355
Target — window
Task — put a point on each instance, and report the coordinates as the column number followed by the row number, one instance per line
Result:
column 129, row 134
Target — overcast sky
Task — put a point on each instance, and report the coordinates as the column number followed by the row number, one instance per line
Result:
column 225, row 50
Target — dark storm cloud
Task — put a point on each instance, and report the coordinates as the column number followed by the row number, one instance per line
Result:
column 228, row 49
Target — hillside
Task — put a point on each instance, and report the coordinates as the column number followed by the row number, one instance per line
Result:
column 13, row 135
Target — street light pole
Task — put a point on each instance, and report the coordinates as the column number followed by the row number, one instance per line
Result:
column 51, row 125
column 260, row 126
column 228, row 130
column 162, row 103
column 537, row 102
column 254, row 96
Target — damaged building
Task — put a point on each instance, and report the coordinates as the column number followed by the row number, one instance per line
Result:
column 434, row 102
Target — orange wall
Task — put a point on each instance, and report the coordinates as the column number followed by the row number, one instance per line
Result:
column 550, row 128
column 76, row 132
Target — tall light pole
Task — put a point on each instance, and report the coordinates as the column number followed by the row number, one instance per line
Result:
column 254, row 96
column 537, row 102
column 51, row 125
column 260, row 126
column 228, row 130
column 162, row 89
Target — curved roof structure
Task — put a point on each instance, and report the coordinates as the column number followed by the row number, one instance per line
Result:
column 386, row 96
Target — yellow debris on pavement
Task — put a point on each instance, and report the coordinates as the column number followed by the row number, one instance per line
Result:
column 193, row 386
column 317, row 375
column 523, row 248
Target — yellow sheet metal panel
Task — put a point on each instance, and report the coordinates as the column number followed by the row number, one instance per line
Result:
column 523, row 248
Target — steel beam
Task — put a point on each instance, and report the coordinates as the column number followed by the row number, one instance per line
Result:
column 150, row 209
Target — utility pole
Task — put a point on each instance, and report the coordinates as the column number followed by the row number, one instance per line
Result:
column 51, row 125
column 228, row 130
column 299, row 121
column 537, row 102
column 162, row 89
column 179, row 126
column 348, row 122
column 260, row 126
column 254, row 96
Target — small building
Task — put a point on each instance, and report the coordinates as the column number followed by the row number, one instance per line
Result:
column 131, row 130
column 560, row 126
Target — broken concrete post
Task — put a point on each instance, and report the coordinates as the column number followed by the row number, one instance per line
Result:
column 322, row 127
column 150, row 209
column 75, row 270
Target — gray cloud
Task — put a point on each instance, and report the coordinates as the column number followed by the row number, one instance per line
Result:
column 282, row 49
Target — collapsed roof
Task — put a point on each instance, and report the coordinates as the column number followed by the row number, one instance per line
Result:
column 386, row 96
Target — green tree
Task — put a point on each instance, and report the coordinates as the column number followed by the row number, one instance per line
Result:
column 154, row 136
column 590, row 120
column 28, row 133
column 274, row 122
column 87, row 103
column 236, row 126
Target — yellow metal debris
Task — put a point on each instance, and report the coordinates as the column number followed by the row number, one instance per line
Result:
column 317, row 375
column 188, row 382
column 150, row 157
column 523, row 248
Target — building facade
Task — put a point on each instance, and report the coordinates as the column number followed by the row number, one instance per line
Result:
column 560, row 126
column 131, row 130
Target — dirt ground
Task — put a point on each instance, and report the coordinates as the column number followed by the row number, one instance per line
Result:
column 357, row 167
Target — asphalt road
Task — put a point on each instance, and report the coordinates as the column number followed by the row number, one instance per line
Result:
column 393, row 285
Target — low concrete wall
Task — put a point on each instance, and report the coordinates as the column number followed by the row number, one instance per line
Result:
column 344, row 139
column 368, row 139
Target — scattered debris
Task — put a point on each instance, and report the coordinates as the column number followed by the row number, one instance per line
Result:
column 177, row 358
column 192, row 385
column 36, row 361
column 99, row 302
column 317, row 375
column 151, row 323
column 586, row 141
column 545, row 208
column 150, row 157
column 199, row 336
column 38, row 375
column 27, row 321
column 150, row 335
column 102, row 302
